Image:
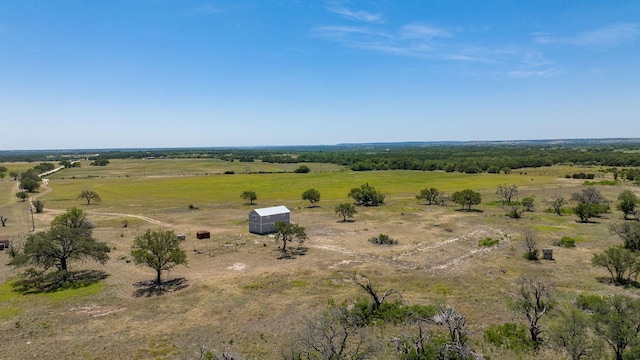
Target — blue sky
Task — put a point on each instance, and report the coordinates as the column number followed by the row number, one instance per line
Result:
column 180, row 73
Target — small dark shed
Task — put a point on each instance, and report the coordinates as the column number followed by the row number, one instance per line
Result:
column 203, row 234
column 4, row 242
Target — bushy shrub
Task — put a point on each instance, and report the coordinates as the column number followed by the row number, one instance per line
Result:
column 38, row 205
column 367, row 195
column 534, row 254
column 512, row 336
column 383, row 239
column 566, row 242
column 582, row 175
column 488, row 242
column 514, row 211
column 389, row 312
column 588, row 302
column 302, row 169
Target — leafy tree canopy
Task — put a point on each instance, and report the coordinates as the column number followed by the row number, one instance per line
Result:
column 89, row 195
column 466, row 198
column 312, row 195
column 288, row 233
column 159, row 250
column 249, row 196
column 367, row 195
column 345, row 210
column 627, row 203
column 69, row 239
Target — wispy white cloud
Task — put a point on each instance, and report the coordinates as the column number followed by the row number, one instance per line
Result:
column 550, row 72
column 611, row 36
column 360, row 15
column 419, row 31
column 366, row 38
column 422, row 41
column 428, row 41
column 350, row 34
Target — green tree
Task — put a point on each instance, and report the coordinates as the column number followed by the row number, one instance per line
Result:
column 30, row 180
column 302, row 169
column 616, row 319
column 466, row 198
column 586, row 211
column 629, row 233
column 622, row 264
column 527, row 204
column 288, row 233
column 2, row 175
column 430, row 195
column 591, row 203
column 69, row 164
column 69, row 239
column 44, row 167
column 38, row 205
column 367, row 195
column 345, row 210
column 159, row 250
column 627, row 202
column 312, row 195
column 74, row 218
column 570, row 332
column 493, row 169
column 89, row 195
column 29, row 185
column 14, row 174
column 249, row 196
column 100, row 162
column 22, row 195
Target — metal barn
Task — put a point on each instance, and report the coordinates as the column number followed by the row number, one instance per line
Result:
column 261, row 221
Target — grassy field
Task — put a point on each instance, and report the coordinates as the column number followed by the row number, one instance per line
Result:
column 239, row 296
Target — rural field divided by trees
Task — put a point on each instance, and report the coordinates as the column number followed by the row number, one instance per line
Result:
column 448, row 251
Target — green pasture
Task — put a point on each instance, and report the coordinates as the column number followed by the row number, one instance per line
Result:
column 17, row 166
column 152, row 185
column 180, row 167
column 7, row 196
column 14, row 302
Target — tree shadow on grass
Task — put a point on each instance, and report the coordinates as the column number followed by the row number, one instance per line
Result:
column 347, row 221
column 34, row 283
column 470, row 211
column 293, row 253
column 607, row 280
column 150, row 288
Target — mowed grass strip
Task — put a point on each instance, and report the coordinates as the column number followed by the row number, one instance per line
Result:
column 180, row 167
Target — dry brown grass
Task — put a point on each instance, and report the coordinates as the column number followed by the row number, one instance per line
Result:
column 241, row 297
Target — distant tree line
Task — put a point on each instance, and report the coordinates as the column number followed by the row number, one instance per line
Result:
column 491, row 158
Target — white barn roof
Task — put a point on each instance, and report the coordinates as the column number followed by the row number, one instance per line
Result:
column 272, row 210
